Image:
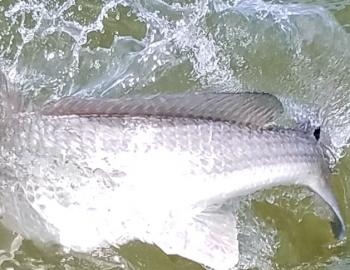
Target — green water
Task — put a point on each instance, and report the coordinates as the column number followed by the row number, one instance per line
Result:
column 57, row 48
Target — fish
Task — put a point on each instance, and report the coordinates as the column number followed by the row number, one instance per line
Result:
column 89, row 172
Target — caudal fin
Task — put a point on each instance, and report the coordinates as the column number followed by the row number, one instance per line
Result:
column 325, row 192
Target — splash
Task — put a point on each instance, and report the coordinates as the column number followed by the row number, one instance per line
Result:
column 119, row 47
column 92, row 59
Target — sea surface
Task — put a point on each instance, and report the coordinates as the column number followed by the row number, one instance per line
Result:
column 110, row 48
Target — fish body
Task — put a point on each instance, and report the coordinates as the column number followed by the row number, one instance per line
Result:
column 105, row 175
column 73, row 172
column 36, row 147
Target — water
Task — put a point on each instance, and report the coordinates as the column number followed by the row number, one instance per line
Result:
column 111, row 48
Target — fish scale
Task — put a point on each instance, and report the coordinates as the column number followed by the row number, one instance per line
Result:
column 86, row 173
column 227, row 147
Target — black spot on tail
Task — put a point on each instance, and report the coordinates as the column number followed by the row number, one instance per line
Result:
column 317, row 133
column 338, row 229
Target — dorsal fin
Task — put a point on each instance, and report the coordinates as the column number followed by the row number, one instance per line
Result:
column 254, row 108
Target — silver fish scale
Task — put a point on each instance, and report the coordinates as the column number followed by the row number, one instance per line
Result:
column 228, row 146
column 86, row 173
column 95, row 165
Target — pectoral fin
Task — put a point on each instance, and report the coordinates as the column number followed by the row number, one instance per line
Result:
column 209, row 238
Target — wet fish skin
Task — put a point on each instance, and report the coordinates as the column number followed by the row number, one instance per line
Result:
column 86, row 173
column 209, row 161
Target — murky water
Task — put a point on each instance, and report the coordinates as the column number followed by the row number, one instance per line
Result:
column 55, row 48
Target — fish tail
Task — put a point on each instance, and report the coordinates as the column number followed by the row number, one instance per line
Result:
column 323, row 189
